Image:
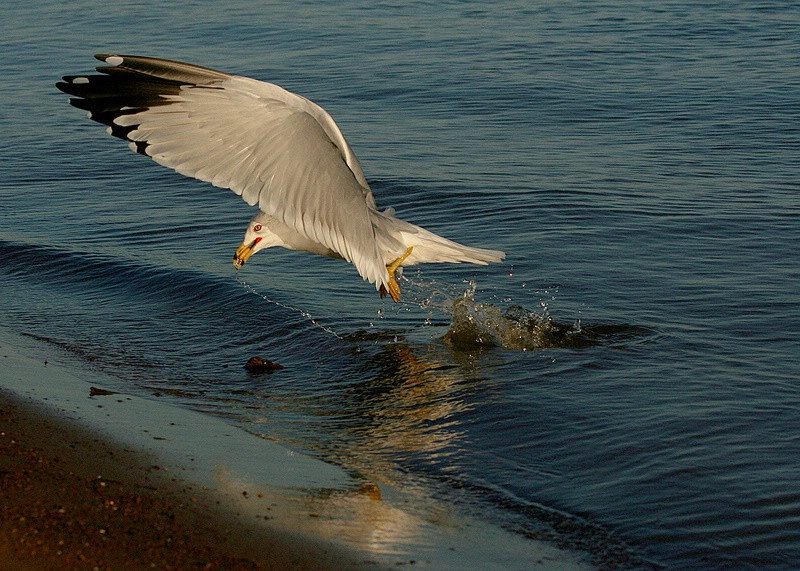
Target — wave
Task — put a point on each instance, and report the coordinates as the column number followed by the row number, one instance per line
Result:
column 76, row 270
column 129, row 317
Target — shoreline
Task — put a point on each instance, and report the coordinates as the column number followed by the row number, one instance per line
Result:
column 107, row 480
column 72, row 500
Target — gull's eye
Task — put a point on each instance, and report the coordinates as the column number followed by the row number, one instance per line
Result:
column 257, row 228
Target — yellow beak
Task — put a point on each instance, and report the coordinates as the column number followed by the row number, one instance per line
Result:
column 243, row 253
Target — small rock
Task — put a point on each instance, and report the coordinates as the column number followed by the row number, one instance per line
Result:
column 259, row 365
column 95, row 392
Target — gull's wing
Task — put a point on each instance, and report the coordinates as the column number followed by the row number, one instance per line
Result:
column 274, row 148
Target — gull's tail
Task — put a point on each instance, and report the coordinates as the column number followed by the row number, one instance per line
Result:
column 431, row 248
column 428, row 247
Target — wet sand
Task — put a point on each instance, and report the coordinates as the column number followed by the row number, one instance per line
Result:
column 71, row 500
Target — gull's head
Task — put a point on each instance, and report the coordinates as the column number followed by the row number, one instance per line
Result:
column 257, row 237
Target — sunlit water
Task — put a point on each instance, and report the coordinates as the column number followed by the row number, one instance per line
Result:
column 627, row 382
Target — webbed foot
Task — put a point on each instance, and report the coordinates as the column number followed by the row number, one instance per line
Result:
column 394, row 287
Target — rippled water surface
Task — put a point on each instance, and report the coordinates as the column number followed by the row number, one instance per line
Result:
column 627, row 381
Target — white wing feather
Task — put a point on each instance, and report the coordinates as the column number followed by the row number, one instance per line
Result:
column 274, row 148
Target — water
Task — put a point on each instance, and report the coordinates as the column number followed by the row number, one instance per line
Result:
column 626, row 382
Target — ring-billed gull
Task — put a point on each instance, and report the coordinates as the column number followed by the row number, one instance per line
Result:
column 275, row 149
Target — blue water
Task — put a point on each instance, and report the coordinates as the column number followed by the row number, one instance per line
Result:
column 626, row 382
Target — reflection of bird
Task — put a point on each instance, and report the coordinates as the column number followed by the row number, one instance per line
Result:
column 275, row 149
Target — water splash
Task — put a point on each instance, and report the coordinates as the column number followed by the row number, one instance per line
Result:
column 482, row 325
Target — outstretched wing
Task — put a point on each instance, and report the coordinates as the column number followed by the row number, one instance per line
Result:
column 274, row 148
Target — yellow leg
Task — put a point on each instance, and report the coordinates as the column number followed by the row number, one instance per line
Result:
column 394, row 287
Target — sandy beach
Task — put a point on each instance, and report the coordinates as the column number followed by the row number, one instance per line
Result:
column 92, row 478
column 74, row 501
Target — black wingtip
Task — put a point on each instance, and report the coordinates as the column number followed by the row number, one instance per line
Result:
column 74, row 84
